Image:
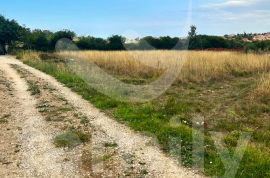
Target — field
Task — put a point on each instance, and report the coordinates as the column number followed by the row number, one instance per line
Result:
column 230, row 90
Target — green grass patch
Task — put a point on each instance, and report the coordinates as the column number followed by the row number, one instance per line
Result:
column 110, row 145
column 71, row 139
column 106, row 157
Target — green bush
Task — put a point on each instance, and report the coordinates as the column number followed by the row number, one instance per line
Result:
column 250, row 47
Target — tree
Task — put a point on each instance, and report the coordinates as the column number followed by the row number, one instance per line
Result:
column 62, row 34
column 250, row 47
column 91, row 43
column 116, row 42
column 239, row 38
column 245, row 35
column 41, row 41
column 27, row 38
column 10, row 31
column 194, row 43
column 192, row 33
column 233, row 44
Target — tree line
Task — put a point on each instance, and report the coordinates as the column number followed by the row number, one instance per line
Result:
column 16, row 37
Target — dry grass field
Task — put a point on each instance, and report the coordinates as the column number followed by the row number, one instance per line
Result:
column 198, row 66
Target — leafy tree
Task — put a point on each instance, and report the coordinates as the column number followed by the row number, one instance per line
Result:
column 194, row 43
column 62, row 34
column 250, row 47
column 192, row 33
column 116, row 42
column 250, row 37
column 233, row 44
column 41, row 41
column 263, row 45
column 10, row 31
column 91, row 43
column 245, row 35
column 167, row 42
column 27, row 38
column 239, row 37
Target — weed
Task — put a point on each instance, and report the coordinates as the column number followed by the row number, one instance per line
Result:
column 71, row 139
column 110, row 145
column 2, row 121
column 106, row 157
column 191, row 86
column 6, row 116
column 142, row 163
column 128, row 158
column 144, row 171
column 64, row 109
column 172, row 108
column 62, row 99
column 33, row 87
column 84, row 121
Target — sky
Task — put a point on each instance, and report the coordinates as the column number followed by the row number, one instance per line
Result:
column 103, row 18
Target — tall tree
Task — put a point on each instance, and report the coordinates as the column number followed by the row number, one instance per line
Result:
column 194, row 42
column 192, row 33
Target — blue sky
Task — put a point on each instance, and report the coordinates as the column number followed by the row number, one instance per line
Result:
column 102, row 18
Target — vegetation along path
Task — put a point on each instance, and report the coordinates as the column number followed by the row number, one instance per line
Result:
column 45, row 124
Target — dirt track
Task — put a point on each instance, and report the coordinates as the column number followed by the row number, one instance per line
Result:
column 26, row 134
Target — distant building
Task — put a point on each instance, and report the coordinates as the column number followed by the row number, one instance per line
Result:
column 183, row 38
column 222, row 37
column 231, row 35
column 259, row 38
column 246, row 40
column 134, row 41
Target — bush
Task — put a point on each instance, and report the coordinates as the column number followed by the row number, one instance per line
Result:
column 51, row 57
column 250, row 47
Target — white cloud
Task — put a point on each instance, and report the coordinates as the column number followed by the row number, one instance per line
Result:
column 233, row 16
column 237, row 10
column 231, row 4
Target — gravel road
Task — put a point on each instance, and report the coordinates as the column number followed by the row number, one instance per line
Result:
column 37, row 155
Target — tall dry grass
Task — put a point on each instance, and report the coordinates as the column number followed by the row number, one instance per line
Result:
column 263, row 90
column 198, row 66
